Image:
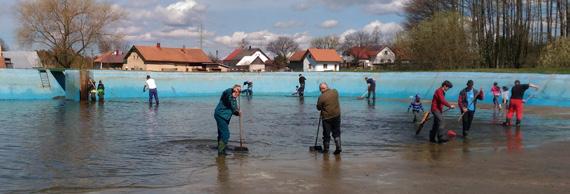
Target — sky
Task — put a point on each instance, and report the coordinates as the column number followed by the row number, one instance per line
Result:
column 176, row 23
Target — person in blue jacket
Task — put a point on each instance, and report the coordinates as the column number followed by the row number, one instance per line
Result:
column 227, row 107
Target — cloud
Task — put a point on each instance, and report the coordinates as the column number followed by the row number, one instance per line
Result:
column 377, row 7
column 301, row 6
column 181, row 13
column 385, row 8
column 329, row 24
column 260, row 38
column 288, row 24
column 167, row 33
column 388, row 31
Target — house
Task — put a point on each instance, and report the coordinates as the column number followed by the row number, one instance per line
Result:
column 2, row 63
column 109, row 60
column 21, row 59
column 314, row 59
column 157, row 58
column 368, row 57
column 250, row 59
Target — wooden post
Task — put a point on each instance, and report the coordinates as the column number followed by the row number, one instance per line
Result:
column 84, row 77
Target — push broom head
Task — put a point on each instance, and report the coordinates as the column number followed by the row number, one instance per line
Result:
column 241, row 149
column 315, row 148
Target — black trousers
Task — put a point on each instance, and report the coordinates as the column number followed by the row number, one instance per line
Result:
column 467, row 120
column 302, row 90
column 438, row 128
column 372, row 92
column 331, row 125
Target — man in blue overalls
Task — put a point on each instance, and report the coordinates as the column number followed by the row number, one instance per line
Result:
column 223, row 114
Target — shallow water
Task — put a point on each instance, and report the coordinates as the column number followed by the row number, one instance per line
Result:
column 63, row 146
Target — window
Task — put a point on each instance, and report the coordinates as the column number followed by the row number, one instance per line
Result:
column 389, row 61
column 385, row 52
column 325, row 66
column 335, row 67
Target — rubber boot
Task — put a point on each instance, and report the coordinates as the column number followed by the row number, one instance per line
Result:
column 326, row 146
column 507, row 122
column 432, row 137
column 518, row 123
column 221, row 148
column 338, row 146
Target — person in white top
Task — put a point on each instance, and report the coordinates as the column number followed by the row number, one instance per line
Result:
column 151, row 85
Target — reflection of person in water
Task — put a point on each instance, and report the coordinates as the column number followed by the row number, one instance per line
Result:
column 514, row 141
column 223, row 175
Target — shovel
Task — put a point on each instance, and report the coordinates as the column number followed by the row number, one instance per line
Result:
column 241, row 148
column 317, row 147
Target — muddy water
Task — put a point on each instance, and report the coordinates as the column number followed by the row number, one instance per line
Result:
column 127, row 146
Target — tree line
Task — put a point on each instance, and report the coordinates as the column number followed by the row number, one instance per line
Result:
column 492, row 33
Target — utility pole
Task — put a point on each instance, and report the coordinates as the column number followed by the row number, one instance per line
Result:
column 201, row 30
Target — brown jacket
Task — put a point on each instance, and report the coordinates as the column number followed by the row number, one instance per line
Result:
column 328, row 104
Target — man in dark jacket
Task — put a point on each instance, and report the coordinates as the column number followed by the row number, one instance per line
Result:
column 301, row 89
column 371, row 83
column 329, row 106
column 467, row 103
column 223, row 113
column 437, row 104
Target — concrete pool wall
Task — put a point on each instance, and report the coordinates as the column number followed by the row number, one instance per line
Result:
column 26, row 84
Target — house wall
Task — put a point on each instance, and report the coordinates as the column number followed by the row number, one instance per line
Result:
column 134, row 62
column 309, row 64
column 257, row 67
column 248, row 59
column 171, row 67
column 383, row 57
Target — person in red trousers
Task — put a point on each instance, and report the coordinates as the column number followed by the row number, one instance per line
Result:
column 516, row 102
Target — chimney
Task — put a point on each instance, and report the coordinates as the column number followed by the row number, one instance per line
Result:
column 249, row 47
column 158, row 45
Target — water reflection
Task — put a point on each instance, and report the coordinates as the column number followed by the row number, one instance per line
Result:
column 331, row 172
column 514, row 139
column 223, row 177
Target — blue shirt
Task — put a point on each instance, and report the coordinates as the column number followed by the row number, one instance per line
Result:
column 470, row 96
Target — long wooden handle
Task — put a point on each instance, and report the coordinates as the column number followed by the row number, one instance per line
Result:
column 240, row 123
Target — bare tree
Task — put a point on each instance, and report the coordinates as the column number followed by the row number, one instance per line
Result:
column 4, row 45
column 244, row 43
column 68, row 28
column 282, row 47
column 327, row 42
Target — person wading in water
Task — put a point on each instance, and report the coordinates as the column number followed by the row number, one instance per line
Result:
column 227, row 107
column 467, row 103
column 516, row 102
column 329, row 106
column 437, row 103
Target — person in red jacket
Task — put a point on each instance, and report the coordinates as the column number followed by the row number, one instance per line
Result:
column 437, row 104
column 467, row 103
column 516, row 102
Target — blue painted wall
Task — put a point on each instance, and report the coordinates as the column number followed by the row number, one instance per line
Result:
column 127, row 84
column 18, row 84
column 26, row 84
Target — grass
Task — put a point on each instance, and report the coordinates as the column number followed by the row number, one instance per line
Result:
column 541, row 70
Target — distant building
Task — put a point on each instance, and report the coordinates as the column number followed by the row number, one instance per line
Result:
column 21, row 59
column 314, row 59
column 368, row 57
column 157, row 58
column 109, row 60
column 250, row 59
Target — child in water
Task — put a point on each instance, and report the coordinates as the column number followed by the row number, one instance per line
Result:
column 416, row 106
column 505, row 96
